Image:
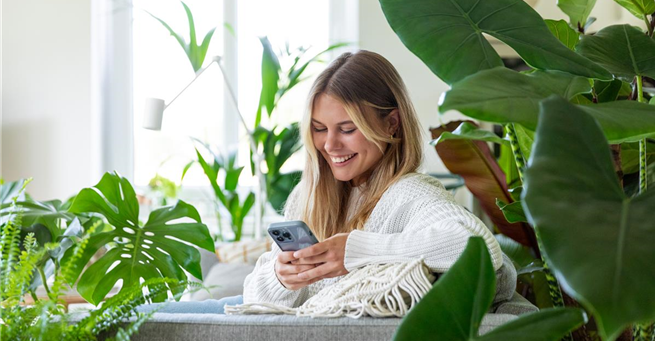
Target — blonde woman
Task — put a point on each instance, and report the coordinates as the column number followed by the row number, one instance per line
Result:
column 360, row 192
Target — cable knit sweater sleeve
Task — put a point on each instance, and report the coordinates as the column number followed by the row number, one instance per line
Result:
column 262, row 284
column 417, row 217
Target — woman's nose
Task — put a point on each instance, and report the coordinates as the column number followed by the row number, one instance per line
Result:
column 332, row 142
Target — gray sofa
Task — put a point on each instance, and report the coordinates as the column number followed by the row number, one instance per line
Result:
column 228, row 279
column 206, row 327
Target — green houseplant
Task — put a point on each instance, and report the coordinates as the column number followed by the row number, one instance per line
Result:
column 25, row 257
column 600, row 76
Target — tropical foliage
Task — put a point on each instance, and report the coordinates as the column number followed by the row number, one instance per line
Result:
column 578, row 124
column 24, row 258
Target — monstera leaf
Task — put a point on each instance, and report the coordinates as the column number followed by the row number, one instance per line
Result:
column 447, row 35
column 598, row 242
column 158, row 248
column 623, row 50
column 453, row 310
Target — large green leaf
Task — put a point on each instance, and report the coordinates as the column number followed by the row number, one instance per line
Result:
column 474, row 161
column 505, row 96
column 623, row 50
column 502, row 95
column 447, row 35
column 563, row 32
column 577, row 10
column 270, row 78
column 454, row 308
column 160, row 248
column 638, row 8
column 598, row 242
column 468, row 131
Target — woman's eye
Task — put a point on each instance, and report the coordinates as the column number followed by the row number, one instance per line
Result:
column 319, row 130
column 348, row 131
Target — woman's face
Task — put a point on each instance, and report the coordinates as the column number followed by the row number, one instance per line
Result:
column 350, row 155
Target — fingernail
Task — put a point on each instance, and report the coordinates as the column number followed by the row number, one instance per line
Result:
column 295, row 254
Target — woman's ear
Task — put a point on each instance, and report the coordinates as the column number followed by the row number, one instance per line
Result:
column 393, row 121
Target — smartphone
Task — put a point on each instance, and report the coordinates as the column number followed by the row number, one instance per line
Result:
column 292, row 235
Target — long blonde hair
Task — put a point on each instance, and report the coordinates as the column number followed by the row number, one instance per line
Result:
column 369, row 88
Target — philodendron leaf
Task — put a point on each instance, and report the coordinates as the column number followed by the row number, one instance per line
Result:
column 623, row 50
column 577, row 10
column 468, row 131
column 453, row 310
column 547, row 324
column 460, row 298
column 502, row 95
column 513, row 211
column 597, row 241
column 505, row 96
column 563, row 32
column 638, row 8
column 447, row 35
column 525, row 138
column 608, row 91
column 652, row 101
column 160, row 248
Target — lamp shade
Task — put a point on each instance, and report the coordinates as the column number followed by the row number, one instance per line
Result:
column 153, row 113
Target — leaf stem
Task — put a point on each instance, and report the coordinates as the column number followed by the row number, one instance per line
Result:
column 44, row 280
column 643, row 172
column 648, row 25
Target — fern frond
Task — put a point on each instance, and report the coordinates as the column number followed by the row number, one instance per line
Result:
column 9, row 247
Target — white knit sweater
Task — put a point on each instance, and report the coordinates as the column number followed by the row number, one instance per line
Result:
column 415, row 217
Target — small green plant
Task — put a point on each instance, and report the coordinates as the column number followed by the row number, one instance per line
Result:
column 226, row 196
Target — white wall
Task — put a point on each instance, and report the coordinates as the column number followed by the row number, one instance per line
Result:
column 45, row 95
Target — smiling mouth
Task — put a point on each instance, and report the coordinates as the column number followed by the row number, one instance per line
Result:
column 342, row 159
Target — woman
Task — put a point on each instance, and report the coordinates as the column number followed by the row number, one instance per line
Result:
column 360, row 193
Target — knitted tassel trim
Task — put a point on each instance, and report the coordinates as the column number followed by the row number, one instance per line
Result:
column 378, row 290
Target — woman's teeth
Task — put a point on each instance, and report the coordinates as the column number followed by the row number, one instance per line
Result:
column 342, row 159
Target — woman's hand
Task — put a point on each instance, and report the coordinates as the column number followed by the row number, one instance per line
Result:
column 325, row 259
column 287, row 273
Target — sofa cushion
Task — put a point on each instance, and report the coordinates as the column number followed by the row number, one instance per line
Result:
column 224, row 279
column 206, row 327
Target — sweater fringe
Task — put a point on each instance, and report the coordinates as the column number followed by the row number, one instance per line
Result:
column 377, row 290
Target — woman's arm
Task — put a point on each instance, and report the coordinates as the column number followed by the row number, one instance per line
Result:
column 438, row 230
column 439, row 233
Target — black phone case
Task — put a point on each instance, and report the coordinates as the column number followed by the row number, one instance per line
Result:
column 292, row 235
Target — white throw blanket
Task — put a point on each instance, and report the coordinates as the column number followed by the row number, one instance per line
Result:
column 378, row 290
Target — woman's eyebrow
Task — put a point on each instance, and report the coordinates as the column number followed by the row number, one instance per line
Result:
column 340, row 123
